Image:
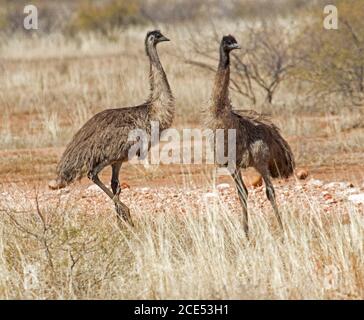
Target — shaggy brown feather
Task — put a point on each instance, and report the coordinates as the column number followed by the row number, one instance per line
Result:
column 259, row 143
column 262, row 135
column 103, row 140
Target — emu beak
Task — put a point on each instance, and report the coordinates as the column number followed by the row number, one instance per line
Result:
column 235, row 46
column 163, row 38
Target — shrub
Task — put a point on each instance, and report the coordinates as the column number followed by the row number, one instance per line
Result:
column 332, row 61
column 261, row 67
column 107, row 15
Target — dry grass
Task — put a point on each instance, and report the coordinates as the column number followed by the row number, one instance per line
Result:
column 50, row 85
column 61, row 251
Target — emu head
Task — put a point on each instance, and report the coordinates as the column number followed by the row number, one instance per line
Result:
column 229, row 43
column 153, row 38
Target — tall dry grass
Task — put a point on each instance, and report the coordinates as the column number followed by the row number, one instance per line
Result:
column 50, row 85
column 61, row 251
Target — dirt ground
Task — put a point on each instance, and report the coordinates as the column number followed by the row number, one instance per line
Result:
column 25, row 175
column 37, row 167
column 27, row 171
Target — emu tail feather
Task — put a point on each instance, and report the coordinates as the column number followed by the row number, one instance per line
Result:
column 70, row 167
column 282, row 163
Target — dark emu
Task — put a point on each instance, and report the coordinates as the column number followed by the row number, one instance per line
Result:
column 259, row 143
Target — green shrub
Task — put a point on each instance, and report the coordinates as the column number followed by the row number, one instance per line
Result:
column 3, row 20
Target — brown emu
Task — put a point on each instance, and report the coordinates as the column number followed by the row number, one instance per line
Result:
column 103, row 140
column 258, row 141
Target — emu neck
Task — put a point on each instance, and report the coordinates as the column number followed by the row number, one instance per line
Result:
column 161, row 99
column 220, row 95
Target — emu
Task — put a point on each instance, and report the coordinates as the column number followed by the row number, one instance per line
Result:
column 103, row 140
column 259, row 143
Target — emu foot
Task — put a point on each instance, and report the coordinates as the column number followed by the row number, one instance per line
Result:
column 246, row 231
column 123, row 213
column 279, row 219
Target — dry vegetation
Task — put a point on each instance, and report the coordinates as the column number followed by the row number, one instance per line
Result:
column 191, row 246
column 52, row 81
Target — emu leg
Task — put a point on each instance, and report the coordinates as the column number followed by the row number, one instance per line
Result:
column 115, row 184
column 269, row 189
column 243, row 197
column 121, row 209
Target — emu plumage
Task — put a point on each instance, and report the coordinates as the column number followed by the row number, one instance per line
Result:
column 259, row 143
column 103, row 140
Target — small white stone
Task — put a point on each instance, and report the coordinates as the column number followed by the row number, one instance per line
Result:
column 93, row 188
column 352, row 190
column 223, row 186
column 208, row 196
column 356, row 198
column 316, row 183
column 330, row 185
column 337, row 185
column 63, row 196
column 63, row 191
